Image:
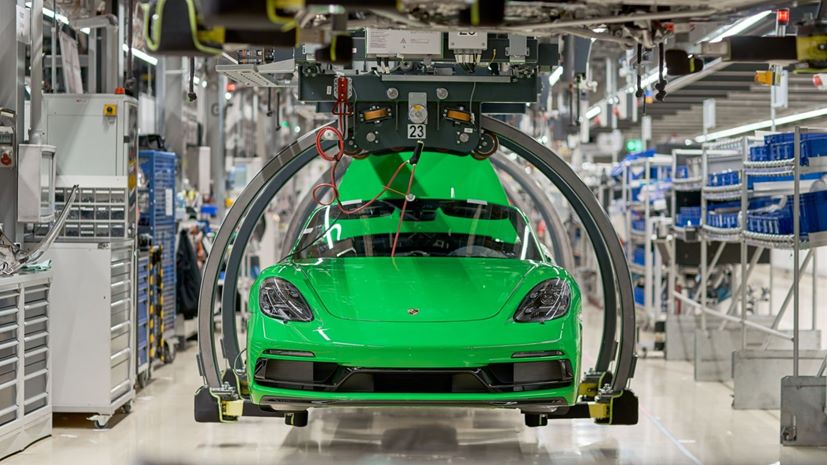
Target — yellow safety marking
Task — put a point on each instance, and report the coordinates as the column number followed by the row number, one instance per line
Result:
column 766, row 78
column 807, row 48
column 232, row 408
column 287, row 23
column 599, row 410
column 587, row 389
column 214, row 35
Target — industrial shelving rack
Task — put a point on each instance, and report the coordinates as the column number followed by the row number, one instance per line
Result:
column 760, row 354
column 642, row 213
column 157, row 219
column 798, row 425
column 25, row 361
column 142, row 360
column 687, row 183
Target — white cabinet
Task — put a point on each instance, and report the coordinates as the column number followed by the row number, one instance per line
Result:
column 94, row 327
column 25, row 376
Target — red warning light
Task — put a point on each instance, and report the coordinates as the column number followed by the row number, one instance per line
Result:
column 782, row 16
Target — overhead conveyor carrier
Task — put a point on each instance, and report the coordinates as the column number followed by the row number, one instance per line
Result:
column 394, row 99
column 604, row 386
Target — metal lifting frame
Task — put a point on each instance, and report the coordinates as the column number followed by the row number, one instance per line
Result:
column 617, row 348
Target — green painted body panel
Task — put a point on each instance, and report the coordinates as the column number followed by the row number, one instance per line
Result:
column 465, row 305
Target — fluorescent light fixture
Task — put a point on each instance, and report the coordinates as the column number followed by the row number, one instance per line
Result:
column 741, row 26
column 51, row 14
column 555, row 76
column 763, row 125
column 593, row 112
column 141, row 55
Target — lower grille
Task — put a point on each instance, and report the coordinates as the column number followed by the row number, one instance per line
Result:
column 331, row 377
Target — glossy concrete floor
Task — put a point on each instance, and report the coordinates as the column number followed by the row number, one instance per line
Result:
column 681, row 422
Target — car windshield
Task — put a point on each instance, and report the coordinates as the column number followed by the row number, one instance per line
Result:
column 430, row 228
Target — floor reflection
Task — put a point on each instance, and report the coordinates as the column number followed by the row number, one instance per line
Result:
column 433, row 436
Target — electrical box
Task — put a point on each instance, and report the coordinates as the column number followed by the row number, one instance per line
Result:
column 36, row 183
column 477, row 41
column 394, row 42
column 96, row 135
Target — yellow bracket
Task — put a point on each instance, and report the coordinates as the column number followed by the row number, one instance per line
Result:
column 214, row 35
column 287, row 23
column 587, row 389
column 153, row 38
column 231, row 408
column 807, row 48
column 591, row 386
column 599, row 410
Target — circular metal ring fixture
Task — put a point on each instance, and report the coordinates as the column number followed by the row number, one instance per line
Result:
column 242, row 217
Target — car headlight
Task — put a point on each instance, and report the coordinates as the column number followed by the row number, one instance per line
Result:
column 281, row 300
column 546, row 301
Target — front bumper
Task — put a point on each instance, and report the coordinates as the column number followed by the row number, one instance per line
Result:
column 459, row 349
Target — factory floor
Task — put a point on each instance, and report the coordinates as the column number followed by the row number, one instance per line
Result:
column 681, row 422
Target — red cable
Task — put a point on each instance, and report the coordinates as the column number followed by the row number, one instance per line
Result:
column 343, row 109
column 340, row 141
column 334, row 160
column 402, row 213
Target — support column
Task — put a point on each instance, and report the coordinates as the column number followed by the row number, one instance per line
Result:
column 214, row 129
column 12, row 75
column 170, row 101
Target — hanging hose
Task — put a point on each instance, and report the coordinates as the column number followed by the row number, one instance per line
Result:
column 191, row 92
column 661, row 85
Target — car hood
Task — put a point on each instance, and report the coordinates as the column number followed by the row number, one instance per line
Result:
column 415, row 289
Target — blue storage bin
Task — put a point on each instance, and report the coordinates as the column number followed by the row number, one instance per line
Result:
column 782, row 146
column 635, row 193
column 639, row 256
column 682, row 172
column 640, row 295
column 812, row 211
column 724, row 178
column 688, row 217
column 639, row 225
column 758, row 153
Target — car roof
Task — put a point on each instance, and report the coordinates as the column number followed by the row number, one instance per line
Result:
column 438, row 176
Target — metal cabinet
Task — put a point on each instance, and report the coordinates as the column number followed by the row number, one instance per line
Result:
column 25, row 360
column 95, row 327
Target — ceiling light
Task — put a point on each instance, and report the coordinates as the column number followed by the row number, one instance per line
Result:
column 555, row 76
column 741, row 26
column 762, row 125
column 51, row 14
column 593, row 112
column 141, row 55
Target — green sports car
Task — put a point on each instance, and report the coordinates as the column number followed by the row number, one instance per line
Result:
column 468, row 310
